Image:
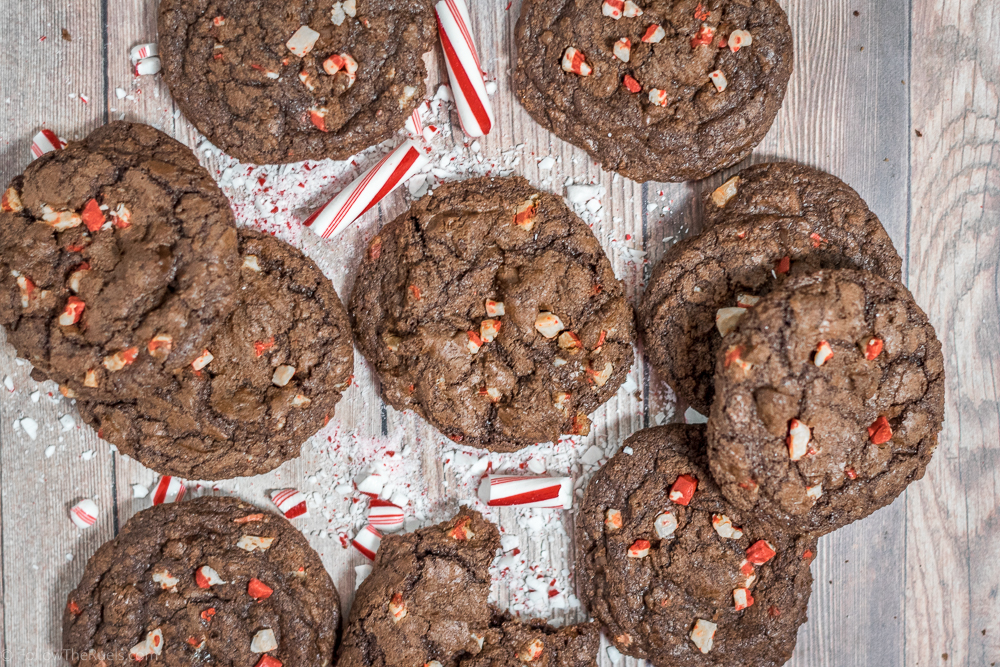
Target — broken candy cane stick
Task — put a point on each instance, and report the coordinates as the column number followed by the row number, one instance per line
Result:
column 466, row 75
column 540, row 492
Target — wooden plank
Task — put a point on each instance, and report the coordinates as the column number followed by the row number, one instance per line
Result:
column 44, row 83
column 953, row 531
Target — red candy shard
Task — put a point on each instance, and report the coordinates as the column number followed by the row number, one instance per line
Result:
column 873, row 348
column 880, row 431
column 208, row 614
column 783, row 264
column 461, row 531
column 773, row 612
column 683, row 489
column 74, row 608
column 261, row 345
column 703, row 38
column 93, row 216
column 817, row 240
column 318, row 118
column 258, row 590
column 807, row 554
column 700, row 12
column 415, row 291
column 760, row 552
column 268, row 661
column 632, row 85
column 733, row 354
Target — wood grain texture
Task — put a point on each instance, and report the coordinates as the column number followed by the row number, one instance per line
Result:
column 915, row 581
column 953, row 516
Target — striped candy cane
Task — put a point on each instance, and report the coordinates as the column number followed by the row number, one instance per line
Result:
column 140, row 51
column 84, row 513
column 367, row 541
column 384, row 515
column 368, row 189
column 290, row 502
column 540, row 492
column 46, row 141
column 169, row 490
column 464, row 71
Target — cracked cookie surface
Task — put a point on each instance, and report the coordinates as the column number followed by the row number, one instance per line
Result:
column 273, row 374
column 209, row 581
column 676, row 125
column 492, row 311
column 115, row 241
column 352, row 76
column 426, row 600
column 765, row 214
column 829, row 399
column 657, row 559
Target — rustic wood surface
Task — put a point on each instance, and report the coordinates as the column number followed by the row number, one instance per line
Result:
column 900, row 98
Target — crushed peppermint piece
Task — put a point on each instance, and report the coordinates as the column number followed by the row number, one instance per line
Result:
column 703, row 634
column 302, row 41
column 574, row 61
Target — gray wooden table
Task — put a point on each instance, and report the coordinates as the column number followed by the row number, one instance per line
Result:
column 900, row 98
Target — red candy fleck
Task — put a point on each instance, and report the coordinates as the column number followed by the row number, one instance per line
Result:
column 783, row 264
column 700, row 12
column 807, row 554
column 851, row 474
column 683, row 489
column 732, row 355
column 375, row 250
column 760, row 552
column 258, row 590
column 415, row 291
column 208, row 614
column 74, row 608
column 817, row 240
column 773, row 612
column 873, row 349
column 268, row 661
column 880, row 432
column 249, row 518
column 703, row 38
column 600, row 340
column 93, row 216
column 632, row 85
column 193, row 641
column 129, row 355
column 260, row 346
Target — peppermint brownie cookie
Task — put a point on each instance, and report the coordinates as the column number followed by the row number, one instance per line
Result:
column 675, row 573
column 118, row 261
column 511, row 643
column 426, row 598
column 829, row 398
column 286, row 80
column 491, row 310
column 425, row 603
column 665, row 91
column 769, row 222
column 267, row 382
column 208, row 581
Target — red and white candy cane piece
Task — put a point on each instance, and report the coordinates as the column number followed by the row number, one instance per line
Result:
column 466, row 75
column 368, row 189
column 290, row 502
column 541, row 492
column 385, row 516
column 140, row 51
column 169, row 490
column 367, row 541
column 84, row 513
column 46, row 141
column 414, row 124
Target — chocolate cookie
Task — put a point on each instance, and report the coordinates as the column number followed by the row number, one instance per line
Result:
column 829, row 398
column 426, row 598
column 678, row 575
column 511, row 643
column 208, row 581
column 425, row 603
column 769, row 222
column 267, row 382
column 491, row 310
column 278, row 81
column 664, row 91
column 118, row 261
